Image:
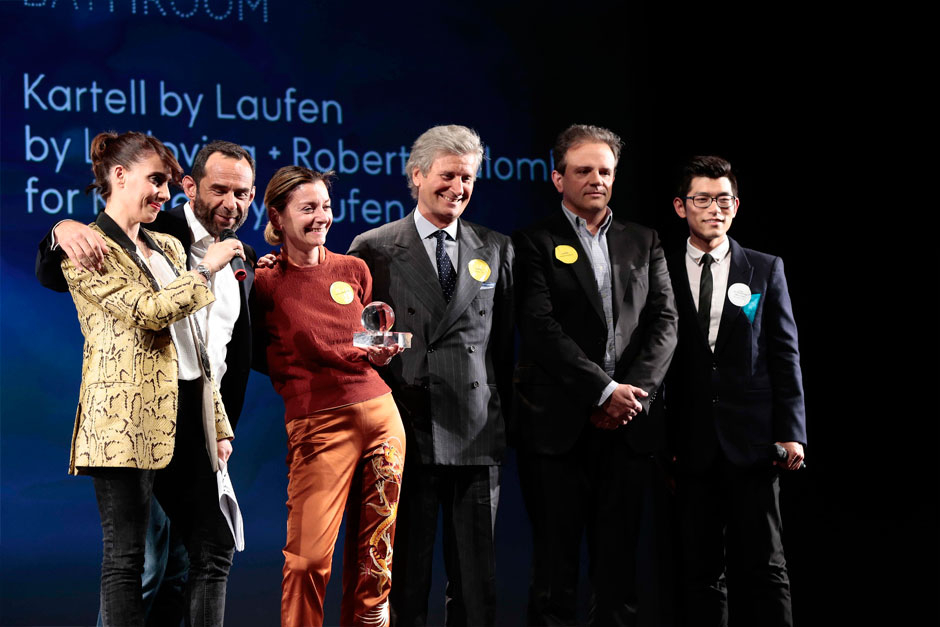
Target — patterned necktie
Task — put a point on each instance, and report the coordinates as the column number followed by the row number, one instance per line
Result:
column 445, row 269
column 705, row 295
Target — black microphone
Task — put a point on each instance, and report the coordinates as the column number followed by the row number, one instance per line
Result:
column 237, row 263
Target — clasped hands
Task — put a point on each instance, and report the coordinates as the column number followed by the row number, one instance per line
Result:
column 620, row 408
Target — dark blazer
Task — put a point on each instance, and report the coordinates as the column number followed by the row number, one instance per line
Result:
column 453, row 385
column 560, row 375
column 749, row 393
column 238, row 352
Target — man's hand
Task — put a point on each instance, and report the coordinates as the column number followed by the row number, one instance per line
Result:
column 266, row 261
column 794, row 455
column 601, row 420
column 84, row 246
column 623, row 403
column 224, row 449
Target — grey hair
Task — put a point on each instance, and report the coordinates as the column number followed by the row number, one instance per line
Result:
column 450, row 139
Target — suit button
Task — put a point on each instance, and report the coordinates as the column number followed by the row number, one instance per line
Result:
column 475, row 384
column 714, row 366
column 715, row 401
column 430, row 349
column 472, row 349
column 482, row 312
column 411, row 310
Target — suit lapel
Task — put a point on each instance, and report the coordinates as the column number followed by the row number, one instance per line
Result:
column 469, row 246
column 563, row 235
column 620, row 270
column 741, row 271
column 110, row 228
column 415, row 269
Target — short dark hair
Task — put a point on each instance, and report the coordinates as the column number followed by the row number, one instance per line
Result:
column 110, row 149
column 708, row 166
column 584, row 134
column 228, row 149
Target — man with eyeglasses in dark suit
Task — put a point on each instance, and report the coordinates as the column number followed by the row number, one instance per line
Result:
column 734, row 406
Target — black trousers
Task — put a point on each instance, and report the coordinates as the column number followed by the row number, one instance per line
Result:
column 187, row 491
column 729, row 524
column 598, row 487
column 468, row 496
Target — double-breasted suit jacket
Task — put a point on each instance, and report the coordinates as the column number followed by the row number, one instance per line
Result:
column 748, row 394
column 238, row 351
column 128, row 400
column 453, row 384
column 560, row 375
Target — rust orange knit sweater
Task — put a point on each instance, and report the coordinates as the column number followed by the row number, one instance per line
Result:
column 311, row 358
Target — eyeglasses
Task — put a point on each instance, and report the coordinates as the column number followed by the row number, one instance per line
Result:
column 703, row 201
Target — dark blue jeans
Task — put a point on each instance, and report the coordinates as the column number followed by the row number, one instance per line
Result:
column 186, row 489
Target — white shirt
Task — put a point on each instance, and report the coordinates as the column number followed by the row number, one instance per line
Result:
column 720, row 269
column 426, row 232
column 186, row 351
column 217, row 321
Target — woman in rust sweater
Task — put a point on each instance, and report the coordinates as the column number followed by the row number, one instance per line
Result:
column 345, row 436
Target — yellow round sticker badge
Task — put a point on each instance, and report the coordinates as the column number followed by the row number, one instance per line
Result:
column 479, row 269
column 566, row 254
column 342, row 292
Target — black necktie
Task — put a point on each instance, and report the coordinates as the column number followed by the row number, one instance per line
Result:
column 705, row 295
column 445, row 269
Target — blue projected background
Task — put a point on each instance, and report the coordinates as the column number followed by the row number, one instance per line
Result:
column 349, row 86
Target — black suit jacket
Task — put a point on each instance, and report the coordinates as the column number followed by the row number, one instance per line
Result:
column 453, row 385
column 749, row 393
column 238, row 352
column 560, row 375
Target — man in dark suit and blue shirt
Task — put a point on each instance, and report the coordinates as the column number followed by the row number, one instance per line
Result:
column 734, row 395
column 450, row 284
column 220, row 191
column 598, row 326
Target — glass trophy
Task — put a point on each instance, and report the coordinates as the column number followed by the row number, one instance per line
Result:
column 377, row 320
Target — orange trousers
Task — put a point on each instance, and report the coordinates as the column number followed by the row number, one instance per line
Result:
column 353, row 453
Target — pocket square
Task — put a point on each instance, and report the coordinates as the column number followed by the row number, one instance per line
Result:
column 487, row 286
column 750, row 309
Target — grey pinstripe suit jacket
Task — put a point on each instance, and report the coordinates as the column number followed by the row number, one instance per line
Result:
column 454, row 383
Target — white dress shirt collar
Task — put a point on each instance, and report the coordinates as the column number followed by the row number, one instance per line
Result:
column 717, row 254
column 201, row 237
column 426, row 229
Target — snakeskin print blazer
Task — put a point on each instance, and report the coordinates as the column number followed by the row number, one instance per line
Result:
column 128, row 399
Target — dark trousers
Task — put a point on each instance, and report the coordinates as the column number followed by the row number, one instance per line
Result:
column 729, row 522
column 468, row 496
column 597, row 487
column 165, row 567
column 187, row 491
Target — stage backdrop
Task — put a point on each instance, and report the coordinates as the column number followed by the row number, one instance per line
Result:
column 328, row 85
column 792, row 98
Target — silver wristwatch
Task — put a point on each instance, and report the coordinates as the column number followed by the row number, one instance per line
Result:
column 204, row 270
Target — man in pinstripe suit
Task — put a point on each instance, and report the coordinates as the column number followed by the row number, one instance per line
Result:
column 450, row 284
